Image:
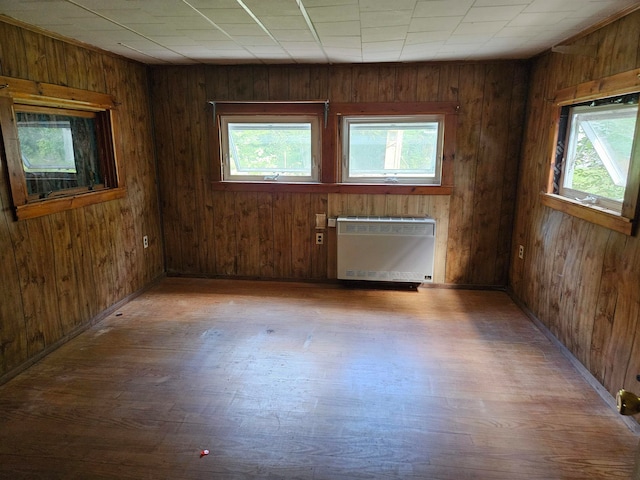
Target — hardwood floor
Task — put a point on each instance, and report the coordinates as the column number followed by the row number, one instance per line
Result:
column 288, row 380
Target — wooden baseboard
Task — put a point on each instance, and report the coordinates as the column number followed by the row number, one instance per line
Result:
column 77, row 331
column 629, row 421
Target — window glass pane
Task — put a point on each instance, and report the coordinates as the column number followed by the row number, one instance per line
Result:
column 264, row 149
column 599, row 150
column 389, row 149
column 58, row 152
column 381, row 149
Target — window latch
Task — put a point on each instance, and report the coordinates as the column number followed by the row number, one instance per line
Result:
column 390, row 180
column 590, row 199
column 272, row 177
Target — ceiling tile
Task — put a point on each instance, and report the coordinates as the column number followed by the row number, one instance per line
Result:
column 353, row 42
column 350, row 30
column 386, row 5
column 334, row 29
column 333, row 13
column 300, row 36
column 467, row 28
column 535, row 19
column 492, row 14
column 383, row 34
column 434, row 24
column 386, row 19
column 284, row 22
column 442, row 8
column 415, row 38
column 227, row 15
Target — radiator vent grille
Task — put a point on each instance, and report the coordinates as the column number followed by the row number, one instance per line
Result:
column 389, row 249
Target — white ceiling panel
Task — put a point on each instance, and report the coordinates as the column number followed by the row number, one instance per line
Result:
column 306, row 31
column 386, row 5
column 442, row 8
column 386, row 19
column 489, row 14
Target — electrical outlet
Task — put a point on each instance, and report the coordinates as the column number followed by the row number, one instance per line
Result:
column 319, row 238
column 145, row 241
column 521, row 252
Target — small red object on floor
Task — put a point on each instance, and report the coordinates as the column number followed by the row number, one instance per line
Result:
column 203, row 453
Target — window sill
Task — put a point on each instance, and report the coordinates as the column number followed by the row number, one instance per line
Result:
column 60, row 204
column 301, row 187
column 592, row 214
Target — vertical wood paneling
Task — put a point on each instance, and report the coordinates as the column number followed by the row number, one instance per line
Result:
column 340, row 82
column 13, row 334
column 299, row 83
column 278, row 83
column 386, row 84
column 266, row 236
column 224, row 206
column 62, row 270
column 248, row 243
column 459, row 253
column 428, row 78
column 406, row 84
column 511, row 164
column 282, row 237
column 248, row 234
column 17, row 55
column 301, row 236
column 581, row 280
column 491, row 159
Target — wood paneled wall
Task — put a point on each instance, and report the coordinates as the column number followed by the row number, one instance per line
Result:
column 270, row 235
column 59, row 271
column 579, row 279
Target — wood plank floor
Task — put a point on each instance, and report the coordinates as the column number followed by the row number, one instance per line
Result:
column 288, row 380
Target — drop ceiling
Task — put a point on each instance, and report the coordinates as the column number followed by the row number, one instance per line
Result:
column 316, row 31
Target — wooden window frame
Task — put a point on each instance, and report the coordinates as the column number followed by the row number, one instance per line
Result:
column 311, row 114
column 16, row 93
column 331, row 155
column 627, row 221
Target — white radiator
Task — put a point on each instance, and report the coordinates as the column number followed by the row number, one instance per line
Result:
column 386, row 249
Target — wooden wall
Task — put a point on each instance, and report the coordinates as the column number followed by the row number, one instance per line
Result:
column 579, row 279
column 58, row 272
column 249, row 234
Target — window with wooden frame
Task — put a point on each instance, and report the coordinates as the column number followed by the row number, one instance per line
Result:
column 422, row 165
column 596, row 159
column 59, row 147
column 392, row 149
column 269, row 141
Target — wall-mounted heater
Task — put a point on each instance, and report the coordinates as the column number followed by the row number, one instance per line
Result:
column 386, row 249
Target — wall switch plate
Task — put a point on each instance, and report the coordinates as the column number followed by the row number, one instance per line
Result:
column 321, row 221
column 145, row 241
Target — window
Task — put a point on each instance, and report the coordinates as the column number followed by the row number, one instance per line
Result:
column 299, row 146
column 270, row 147
column 59, row 149
column 595, row 167
column 599, row 138
column 392, row 149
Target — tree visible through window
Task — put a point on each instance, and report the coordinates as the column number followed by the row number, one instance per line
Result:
column 599, row 144
column 392, row 149
column 271, row 148
column 59, row 152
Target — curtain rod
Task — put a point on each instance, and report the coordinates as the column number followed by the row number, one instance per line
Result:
column 274, row 102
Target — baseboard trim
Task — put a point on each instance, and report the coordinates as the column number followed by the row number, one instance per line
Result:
column 77, row 331
column 630, row 422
